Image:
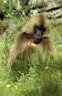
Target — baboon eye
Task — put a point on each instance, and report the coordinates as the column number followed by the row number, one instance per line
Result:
column 42, row 28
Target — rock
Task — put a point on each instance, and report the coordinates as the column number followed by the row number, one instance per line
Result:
column 53, row 8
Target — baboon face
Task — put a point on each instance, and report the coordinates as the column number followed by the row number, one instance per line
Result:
column 38, row 32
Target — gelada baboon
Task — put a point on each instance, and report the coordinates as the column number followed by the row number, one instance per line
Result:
column 34, row 35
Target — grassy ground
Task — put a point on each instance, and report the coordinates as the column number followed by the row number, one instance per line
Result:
column 45, row 74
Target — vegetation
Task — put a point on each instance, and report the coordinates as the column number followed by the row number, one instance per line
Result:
column 44, row 75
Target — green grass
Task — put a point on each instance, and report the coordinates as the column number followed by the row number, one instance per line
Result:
column 44, row 77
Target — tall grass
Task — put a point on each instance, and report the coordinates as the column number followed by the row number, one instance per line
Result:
column 42, row 76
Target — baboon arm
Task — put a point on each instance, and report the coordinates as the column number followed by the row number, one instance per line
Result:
column 18, row 47
column 47, row 46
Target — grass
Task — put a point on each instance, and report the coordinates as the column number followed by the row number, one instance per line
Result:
column 44, row 77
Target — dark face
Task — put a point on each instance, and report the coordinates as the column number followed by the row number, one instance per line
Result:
column 38, row 32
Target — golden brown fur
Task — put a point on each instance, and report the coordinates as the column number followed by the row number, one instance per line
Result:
column 25, row 47
column 35, row 20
